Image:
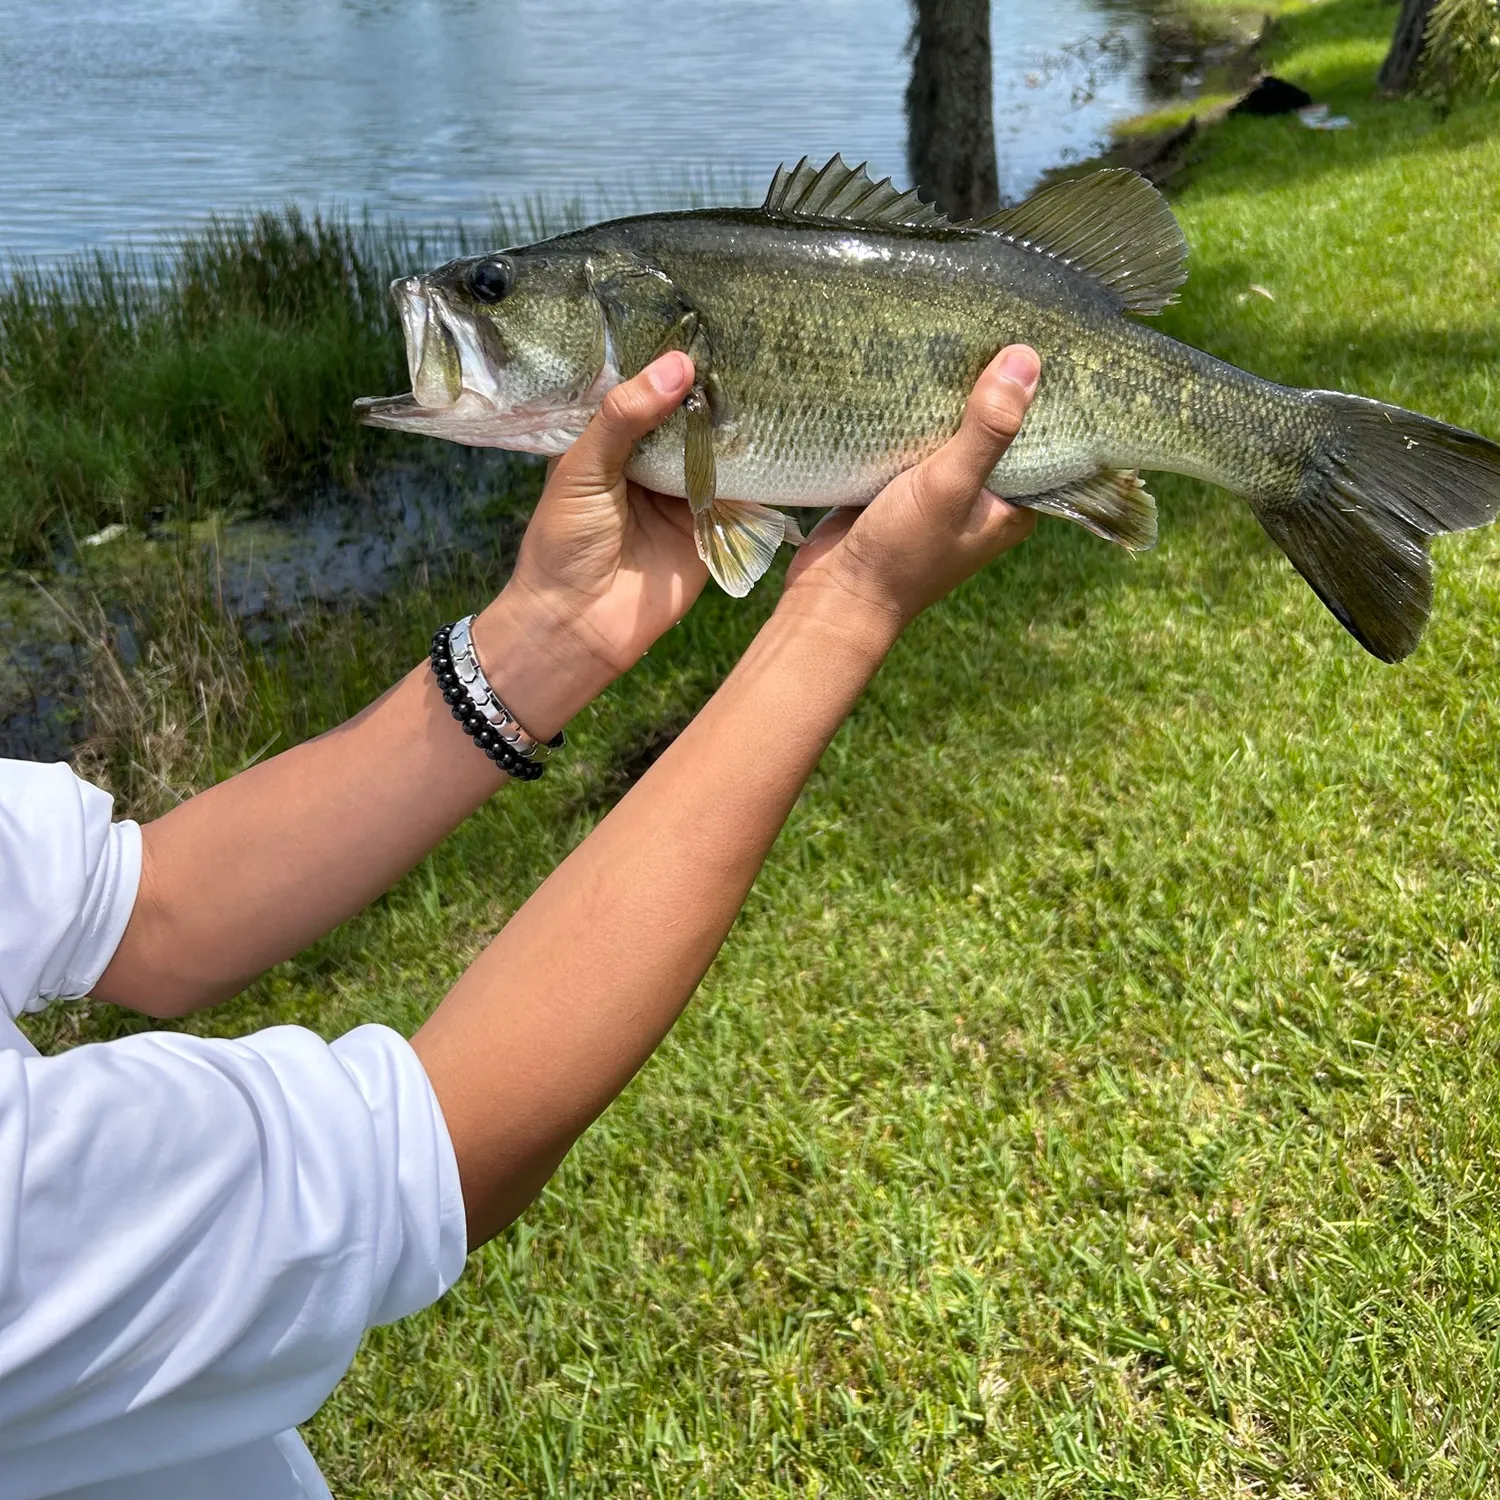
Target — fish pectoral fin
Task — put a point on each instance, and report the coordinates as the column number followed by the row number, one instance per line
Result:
column 738, row 540
column 699, row 469
column 1113, row 504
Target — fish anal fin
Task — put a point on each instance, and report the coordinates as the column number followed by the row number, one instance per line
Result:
column 738, row 540
column 1111, row 225
column 839, row 191
column 1113, row 504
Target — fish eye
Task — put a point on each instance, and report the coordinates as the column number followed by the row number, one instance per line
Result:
column 490, row 280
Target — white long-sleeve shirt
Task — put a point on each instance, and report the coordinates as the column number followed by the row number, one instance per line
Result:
column 194, row 1234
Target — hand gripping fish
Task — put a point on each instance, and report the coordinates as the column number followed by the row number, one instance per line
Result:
column 836, row 332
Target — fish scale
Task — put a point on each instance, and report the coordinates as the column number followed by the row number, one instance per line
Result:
column 836, row 333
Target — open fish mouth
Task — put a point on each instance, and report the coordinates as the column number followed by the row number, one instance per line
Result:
column 434, row 360
column 547, row 430
column 455, row 391
column 433, row 357
column 434, row 348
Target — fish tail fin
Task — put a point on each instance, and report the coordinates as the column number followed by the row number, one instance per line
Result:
column 1379, row 484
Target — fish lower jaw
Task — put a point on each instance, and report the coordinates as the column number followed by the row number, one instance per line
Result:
column 476, row 422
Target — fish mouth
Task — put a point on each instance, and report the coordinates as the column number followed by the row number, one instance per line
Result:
column 448, row 390
column 475, row 422
column 434, row 346
column 455, row 393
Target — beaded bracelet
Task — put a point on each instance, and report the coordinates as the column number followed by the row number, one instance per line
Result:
column 485, row 728
column 472, row 679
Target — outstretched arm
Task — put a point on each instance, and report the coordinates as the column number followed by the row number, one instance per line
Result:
column 252, row 870
column 553, row 1020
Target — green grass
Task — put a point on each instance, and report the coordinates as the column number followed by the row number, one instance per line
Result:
column 1098, row 1096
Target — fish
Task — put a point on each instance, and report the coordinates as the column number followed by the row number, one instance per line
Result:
column 836, row 332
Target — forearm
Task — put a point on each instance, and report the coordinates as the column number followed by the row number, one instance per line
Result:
column 252, row 870
column 566, row 1004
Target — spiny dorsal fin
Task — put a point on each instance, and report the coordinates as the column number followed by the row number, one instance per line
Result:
column 839, row 191
column 1112, row 225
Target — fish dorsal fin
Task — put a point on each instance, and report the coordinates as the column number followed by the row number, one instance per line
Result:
column 839, row 191
column 1111, row 225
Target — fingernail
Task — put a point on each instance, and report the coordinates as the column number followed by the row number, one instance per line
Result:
column 1021, row 364
column 665, row 374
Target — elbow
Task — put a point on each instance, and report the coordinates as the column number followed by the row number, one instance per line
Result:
column 159, row 1002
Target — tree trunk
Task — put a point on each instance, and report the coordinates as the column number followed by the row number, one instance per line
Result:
column 1399, row 70
column 950, row 115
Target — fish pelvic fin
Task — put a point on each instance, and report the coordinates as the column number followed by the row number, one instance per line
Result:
column 738, row 540
column 1113, row 504
column 1380, row 483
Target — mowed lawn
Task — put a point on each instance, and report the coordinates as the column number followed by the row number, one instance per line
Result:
column 1098, row 1096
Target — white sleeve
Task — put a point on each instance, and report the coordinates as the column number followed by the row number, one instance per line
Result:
column 68, row 879
column 194, row 1234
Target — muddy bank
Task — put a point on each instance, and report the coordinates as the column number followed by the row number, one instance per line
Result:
column 1208, row 55
column 339, row 551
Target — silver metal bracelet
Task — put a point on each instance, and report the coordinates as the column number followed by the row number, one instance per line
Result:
column 469, row 672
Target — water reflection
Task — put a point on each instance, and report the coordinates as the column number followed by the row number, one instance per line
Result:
column 124, row 119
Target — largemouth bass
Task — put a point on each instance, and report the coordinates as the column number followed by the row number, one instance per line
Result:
column 836, row 332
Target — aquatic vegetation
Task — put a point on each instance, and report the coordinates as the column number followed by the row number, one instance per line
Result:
column 213, row 374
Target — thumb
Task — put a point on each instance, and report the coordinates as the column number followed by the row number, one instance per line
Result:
column 597, row 459
column 952, row 477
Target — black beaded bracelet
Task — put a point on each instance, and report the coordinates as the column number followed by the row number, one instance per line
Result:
column 470, row 720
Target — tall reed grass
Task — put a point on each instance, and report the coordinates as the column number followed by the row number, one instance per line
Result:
column 218, row 372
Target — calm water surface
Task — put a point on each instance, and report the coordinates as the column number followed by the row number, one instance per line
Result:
column 124, row 120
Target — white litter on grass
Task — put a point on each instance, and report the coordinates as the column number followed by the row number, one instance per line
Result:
column 1316, row 117
column 109, row 534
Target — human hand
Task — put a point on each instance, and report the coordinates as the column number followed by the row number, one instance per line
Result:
column 605, row 567
column 931, row 527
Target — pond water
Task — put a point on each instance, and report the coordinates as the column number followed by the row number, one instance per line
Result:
column 121, row 120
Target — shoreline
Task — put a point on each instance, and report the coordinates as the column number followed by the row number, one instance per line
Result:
column 305, row 520
column 1204, row 58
